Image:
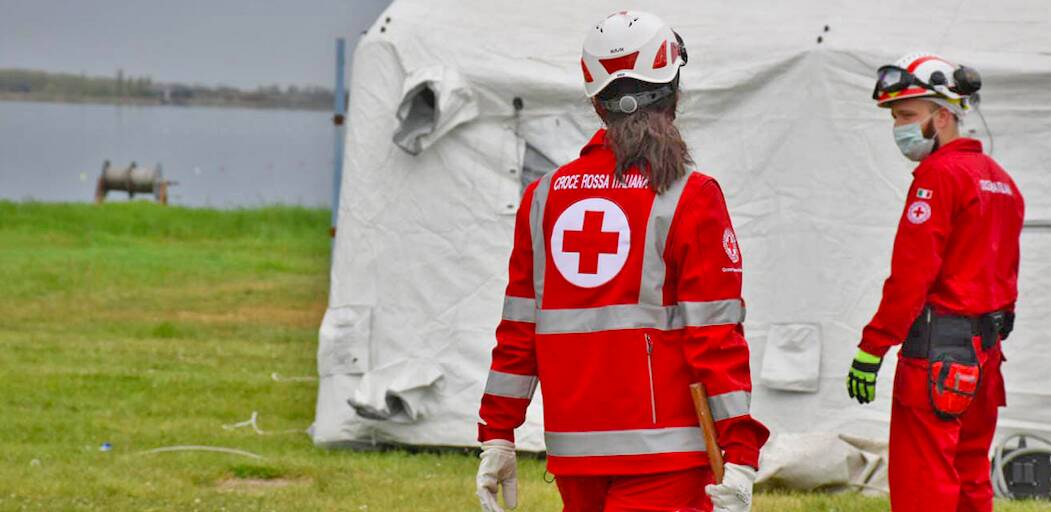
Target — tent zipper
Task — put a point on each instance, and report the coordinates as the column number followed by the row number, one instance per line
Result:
column 649, row 366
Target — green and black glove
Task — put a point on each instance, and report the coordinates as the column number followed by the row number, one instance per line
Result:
column 861, row 381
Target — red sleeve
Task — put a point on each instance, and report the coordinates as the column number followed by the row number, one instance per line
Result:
column 513, row 375
column 918, row 248
column 707, row 271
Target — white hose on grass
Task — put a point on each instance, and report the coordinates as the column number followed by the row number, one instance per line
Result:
column 277, row 377
column 253, row 422
column 196, row 448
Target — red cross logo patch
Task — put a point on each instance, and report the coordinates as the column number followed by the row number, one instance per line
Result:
column 918, row 212
column 730, row 246
column 590, row 242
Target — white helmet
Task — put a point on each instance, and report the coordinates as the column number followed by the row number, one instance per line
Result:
column 630, row 44
column 925, row 75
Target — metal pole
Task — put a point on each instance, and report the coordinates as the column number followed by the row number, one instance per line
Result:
column 339, row 108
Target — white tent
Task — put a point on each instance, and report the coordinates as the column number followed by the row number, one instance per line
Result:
column 456, row 104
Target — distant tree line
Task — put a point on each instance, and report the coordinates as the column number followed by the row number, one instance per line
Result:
column 22, row 84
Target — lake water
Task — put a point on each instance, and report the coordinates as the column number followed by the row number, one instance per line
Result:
column 220, row 157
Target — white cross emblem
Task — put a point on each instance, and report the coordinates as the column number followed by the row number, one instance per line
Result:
column 590, row 242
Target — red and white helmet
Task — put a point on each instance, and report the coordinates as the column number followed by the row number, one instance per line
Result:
column 630, row 44
column 925, row 75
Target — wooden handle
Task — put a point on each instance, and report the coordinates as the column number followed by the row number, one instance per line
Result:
column 704, row 416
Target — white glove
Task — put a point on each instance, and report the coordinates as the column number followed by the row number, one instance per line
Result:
column 498, row 467
column 735, row 493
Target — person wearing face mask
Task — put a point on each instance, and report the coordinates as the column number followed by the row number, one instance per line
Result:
column 950, row 297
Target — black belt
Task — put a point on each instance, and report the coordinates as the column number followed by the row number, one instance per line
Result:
column 932, row 327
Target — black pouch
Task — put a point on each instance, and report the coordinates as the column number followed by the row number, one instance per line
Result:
column 994, row 327
column 917, row 343
column 954, row 374
column 1008, row 325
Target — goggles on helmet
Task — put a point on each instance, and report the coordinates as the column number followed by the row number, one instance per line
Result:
column 893, row 79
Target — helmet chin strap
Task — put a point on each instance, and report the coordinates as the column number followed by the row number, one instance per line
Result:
column 630, row 103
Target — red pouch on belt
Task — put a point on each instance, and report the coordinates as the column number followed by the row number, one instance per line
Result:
column 954, row 372
column 950, row 344
column 953, row 383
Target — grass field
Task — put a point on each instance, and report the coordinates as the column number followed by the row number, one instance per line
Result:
column 147, row 327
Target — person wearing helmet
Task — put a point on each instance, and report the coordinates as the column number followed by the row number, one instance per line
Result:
column 950, row 297
column 625, row 288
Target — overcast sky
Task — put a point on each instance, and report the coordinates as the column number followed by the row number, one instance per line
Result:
column 243, row 43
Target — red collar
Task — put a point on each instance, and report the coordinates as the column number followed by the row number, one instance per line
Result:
column 959, row 145
column 597, row 141
column 962, row 144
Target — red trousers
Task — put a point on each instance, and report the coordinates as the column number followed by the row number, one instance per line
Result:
column 941, row 465
column 679, row 491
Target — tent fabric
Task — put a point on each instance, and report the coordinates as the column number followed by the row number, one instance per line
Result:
column 400, row 392
column 776, row 105
column 824, row 462
column 435, row 100
column 792, row 359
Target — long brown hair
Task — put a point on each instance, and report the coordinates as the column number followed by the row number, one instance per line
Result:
column 646, row 139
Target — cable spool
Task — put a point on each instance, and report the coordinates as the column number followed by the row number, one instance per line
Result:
column 133, row 180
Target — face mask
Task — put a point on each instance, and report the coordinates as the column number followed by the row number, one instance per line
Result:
column 911, row 141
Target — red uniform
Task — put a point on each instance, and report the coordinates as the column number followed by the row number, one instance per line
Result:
column 957, row 250
column 618, row 299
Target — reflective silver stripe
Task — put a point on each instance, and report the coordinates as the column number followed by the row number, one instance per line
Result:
column 653, row 268
column 624, row 442
column 639, row 316
column 510, row 385
column 716, row 312
column 519, row 309
column 607, row 318
column 730, row 405
column 536, row 231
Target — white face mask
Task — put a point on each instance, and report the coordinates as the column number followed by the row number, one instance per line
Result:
column 912, row 143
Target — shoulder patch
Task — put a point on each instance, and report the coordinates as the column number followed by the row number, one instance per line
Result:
column 918, row 212
column 730, row 246
column 924, row 193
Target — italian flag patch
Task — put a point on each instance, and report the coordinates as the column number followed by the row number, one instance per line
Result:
column 924, row 193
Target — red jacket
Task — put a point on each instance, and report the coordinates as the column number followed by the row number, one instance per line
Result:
column 618, row 299
column 957, row 244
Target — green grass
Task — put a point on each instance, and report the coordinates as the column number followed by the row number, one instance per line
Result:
column 147, row 327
